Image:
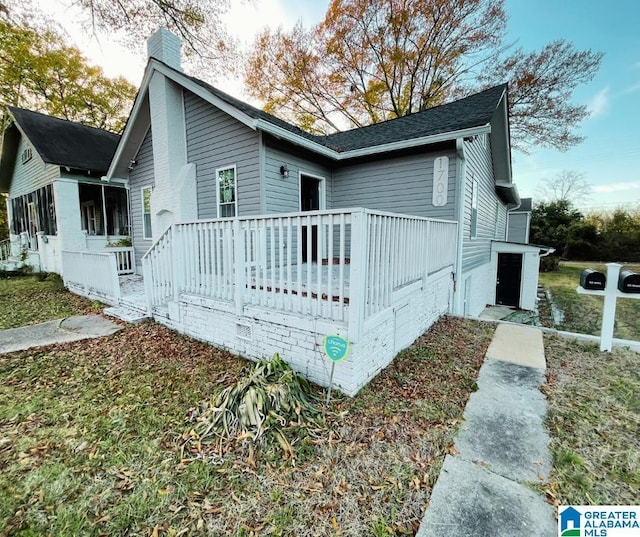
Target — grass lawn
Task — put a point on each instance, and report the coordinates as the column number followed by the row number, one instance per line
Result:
column 594, row 423
column 27, row 300
column 91, row 435
column 583, row 313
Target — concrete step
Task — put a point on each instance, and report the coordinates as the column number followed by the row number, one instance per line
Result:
column 127, row 314
column 136, row 304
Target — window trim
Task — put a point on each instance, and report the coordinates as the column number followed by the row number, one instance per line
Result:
column 235, row 190
column 147, row 234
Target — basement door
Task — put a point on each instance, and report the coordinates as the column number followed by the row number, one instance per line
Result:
column 309, row 201
column 509, row 279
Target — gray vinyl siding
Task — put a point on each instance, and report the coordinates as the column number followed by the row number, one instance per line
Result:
column 518, row 227
column 31, row 175
column 400, row 185
column 216, row 140
column 140, row 176
column 491, row 210
column 283, row 195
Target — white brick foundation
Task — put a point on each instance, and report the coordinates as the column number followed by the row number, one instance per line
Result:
column 259, row 332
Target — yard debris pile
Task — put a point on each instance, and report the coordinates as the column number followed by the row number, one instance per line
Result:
column 271, row 406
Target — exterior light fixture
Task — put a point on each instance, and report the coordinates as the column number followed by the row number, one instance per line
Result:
column 284, row 171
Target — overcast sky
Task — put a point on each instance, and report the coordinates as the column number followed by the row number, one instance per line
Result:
column 610, row 156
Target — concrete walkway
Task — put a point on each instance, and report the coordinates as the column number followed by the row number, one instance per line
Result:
column 501, row 447
column 59, row 331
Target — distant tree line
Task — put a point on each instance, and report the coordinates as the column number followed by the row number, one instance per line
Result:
column 603, row 236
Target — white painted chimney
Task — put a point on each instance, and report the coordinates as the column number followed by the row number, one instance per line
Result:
column 165, row 46
column 174, row 195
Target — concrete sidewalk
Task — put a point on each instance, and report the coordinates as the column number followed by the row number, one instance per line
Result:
column 501, row 446
column 65, row 330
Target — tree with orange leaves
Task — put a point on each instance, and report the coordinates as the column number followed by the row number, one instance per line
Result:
column 373, row 60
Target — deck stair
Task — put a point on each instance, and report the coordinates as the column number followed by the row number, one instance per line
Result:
column 126, row 313
column 132, row 306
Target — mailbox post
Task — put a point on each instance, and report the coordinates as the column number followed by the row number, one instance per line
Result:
column 625, row 285
column 609, row 310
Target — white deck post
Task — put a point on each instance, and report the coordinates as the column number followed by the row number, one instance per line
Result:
column 176, row 243
column 115, row 281
column 609, row 310
column 148, row 285
column 239, row 265
column 358, row 277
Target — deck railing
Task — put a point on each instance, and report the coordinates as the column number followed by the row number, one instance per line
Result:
column 92, row 274
column 339, row 264
column 401, row 250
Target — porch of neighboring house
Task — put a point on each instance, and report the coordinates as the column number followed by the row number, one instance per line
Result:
column 66, row 215
column 280, row 283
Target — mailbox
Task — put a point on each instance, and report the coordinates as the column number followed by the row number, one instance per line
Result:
column 592, row 279
column 629, row 282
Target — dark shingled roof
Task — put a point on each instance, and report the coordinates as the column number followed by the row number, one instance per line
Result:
column 65, row 143
column 472, row 111
column 249, row 110
column 525, row 205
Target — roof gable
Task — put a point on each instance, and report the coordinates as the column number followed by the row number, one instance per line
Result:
column 473, row 111
column 475, row 114
column 65, row 143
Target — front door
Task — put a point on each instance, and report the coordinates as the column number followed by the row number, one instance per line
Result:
column 509, row 279
column 309, row 201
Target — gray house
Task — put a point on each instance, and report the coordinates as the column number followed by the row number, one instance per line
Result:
column 259, row 237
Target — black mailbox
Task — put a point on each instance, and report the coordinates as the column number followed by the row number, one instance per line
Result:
column 592, row 279
column 629, row 282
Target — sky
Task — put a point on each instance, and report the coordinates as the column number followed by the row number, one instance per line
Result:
column 609, row 158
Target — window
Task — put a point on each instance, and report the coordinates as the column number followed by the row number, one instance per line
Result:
column 474, row 209
column 227, row 202
column 27, row 155
column 34, row 210
column 90, row 220
column 146, row 212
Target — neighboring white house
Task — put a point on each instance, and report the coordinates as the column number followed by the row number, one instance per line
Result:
column 51, row 170
column 259, row 237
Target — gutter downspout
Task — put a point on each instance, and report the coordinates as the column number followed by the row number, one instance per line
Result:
column 461, row 179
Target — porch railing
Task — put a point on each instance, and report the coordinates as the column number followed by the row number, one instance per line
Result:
column 124, row 259
column 342, row 265
column 92, row 274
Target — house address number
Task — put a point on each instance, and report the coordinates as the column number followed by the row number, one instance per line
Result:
column 440, row 181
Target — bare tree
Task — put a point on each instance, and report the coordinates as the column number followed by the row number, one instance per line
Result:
column 569, row 186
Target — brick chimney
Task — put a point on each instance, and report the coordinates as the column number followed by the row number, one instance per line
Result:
column 165, row 46
column 174, row 195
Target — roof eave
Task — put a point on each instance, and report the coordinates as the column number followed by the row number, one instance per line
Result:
column 508, row 193
column 501, row 141
column 115, row 168
column 372, row 150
